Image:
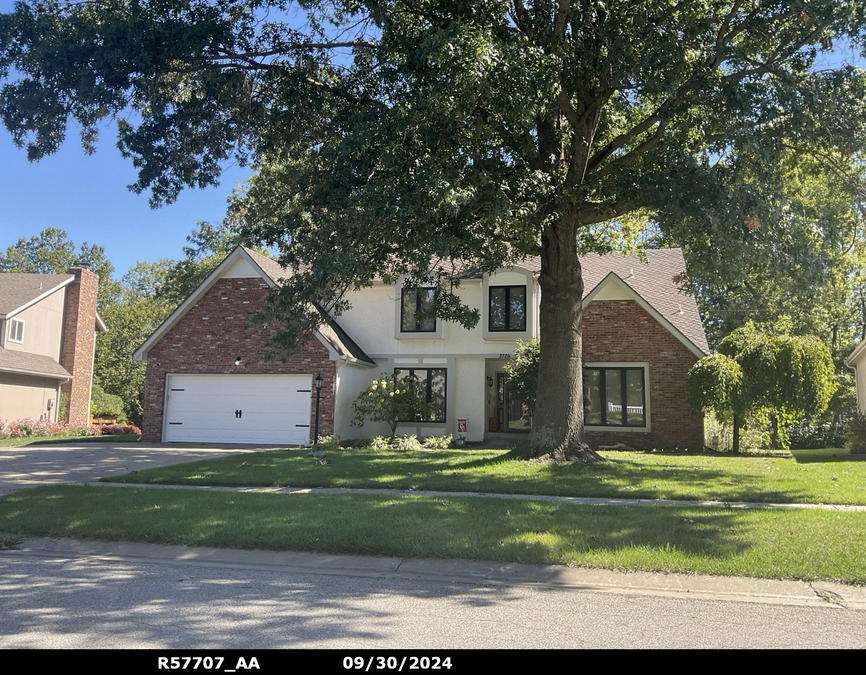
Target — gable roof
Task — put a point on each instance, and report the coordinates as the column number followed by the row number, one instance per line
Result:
column 18, row 291
column 338, row 342
column 652, row 281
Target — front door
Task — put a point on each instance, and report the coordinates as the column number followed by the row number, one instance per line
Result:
column 511, row 413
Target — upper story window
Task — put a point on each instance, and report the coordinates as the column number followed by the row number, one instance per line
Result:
column 507, row 309
column 415, row 308
column 16, row 330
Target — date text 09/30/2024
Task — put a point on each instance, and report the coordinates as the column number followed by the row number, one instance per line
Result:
column 349, row 663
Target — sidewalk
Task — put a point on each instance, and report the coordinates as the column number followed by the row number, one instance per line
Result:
column 593, row 501
column 743, row 589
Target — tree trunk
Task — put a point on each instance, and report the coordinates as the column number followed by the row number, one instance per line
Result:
column 558, row 424
column 736, row 448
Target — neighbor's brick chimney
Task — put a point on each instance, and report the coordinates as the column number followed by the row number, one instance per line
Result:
column 79, row 339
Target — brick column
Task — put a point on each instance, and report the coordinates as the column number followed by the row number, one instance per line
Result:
column 79, row 341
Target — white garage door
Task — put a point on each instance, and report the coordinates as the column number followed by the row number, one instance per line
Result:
column 238, row 409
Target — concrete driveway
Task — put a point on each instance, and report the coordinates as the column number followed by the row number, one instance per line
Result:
column 32, row 465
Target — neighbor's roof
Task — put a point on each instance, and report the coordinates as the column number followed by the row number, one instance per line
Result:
column 19, row 290
column 855, row 355
column 14, row 361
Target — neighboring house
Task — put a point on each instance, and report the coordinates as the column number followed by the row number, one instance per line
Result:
column 207, row 382
column 48, row 325
column 857, row 361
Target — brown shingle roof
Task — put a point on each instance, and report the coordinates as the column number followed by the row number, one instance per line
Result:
column 654, row 281
column 19, row 289
column 35, row 364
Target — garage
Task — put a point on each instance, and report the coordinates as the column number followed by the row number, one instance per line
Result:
column 262, row 409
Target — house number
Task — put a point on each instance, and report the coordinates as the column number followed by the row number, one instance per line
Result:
column 505, row 356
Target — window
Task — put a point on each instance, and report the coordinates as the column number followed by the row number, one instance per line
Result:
column 614, row 397
column 432, row 381
column 16, row 330
column 507, row 308
column 415, row 307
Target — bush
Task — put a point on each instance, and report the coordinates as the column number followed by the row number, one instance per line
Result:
column 391, row 399
column 405, row 443
column 438, row 442
column 105, row 405
column 379, row 443
column 855, row 439
column 327, row 443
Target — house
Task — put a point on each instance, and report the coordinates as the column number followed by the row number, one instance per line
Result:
column 205, row 381
column 48, row 325
column 857, row 361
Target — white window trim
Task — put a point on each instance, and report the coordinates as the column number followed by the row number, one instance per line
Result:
column 532, row 300
column 399, row 333
column 646, row 394
column 12, row 324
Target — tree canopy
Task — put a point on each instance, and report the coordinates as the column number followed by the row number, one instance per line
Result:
column 52, row 252
column 790, row 377
column 402, row 137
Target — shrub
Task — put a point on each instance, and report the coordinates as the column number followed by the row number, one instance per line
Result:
column 438, row 442
column 379, row 443
column 392, row 400
column 105, row 405
column 405, row 443
column 855, row 439
column 328, row 443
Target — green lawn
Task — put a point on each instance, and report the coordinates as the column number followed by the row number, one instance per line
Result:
column 812, row 476
column 760, row 543
column 53, row 440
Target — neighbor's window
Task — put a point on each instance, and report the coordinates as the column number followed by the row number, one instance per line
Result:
column 614, row 397
column 16, row 330
column 432, row 381
column 414, row 311
column 507, row 310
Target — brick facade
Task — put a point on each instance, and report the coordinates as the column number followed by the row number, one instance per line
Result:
column 208, row 338
column 621, row 331
column 78, row 341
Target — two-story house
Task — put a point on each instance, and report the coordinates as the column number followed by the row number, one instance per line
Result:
column 48, row 325
column 206, row 381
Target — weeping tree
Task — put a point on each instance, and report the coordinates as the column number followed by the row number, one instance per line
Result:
column 778, row 379
column 416, row 138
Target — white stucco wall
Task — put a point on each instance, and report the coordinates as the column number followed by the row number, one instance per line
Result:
column 373, row 322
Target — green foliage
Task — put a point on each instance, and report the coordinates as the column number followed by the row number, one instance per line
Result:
column 392, row 400
column 789, row 377
column 522, row 372
column 425, row 134
column 52, row 252
column 405, row 442
column 855, row 439
column 715, row 383
column 328, row 443
column 104, row 405
column 438, row 442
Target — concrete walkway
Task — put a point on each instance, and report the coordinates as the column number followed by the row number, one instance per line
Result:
column 593, row 501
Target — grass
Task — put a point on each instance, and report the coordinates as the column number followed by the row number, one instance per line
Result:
column 17, row 442
column 759, row 543
column 811, row 476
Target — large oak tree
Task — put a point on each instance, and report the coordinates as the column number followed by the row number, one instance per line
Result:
column 420, row 136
